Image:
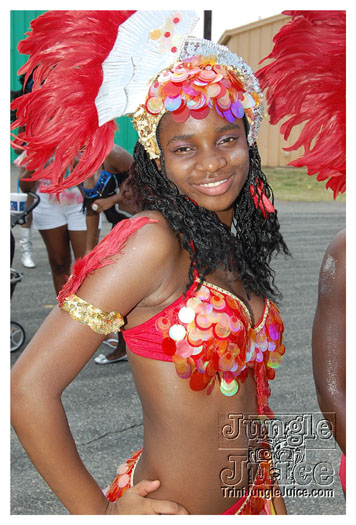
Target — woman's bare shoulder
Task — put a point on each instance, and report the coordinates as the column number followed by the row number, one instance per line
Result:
column 160, row 227
column 137, row 269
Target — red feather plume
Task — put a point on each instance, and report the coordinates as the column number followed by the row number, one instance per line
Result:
column 101, row 254
column 306, row 81
column 67, row 49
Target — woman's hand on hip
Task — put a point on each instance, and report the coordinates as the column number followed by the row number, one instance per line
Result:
column 134, row 501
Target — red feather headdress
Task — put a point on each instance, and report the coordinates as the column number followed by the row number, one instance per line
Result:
column 82, row 64
column 67, row 49
column 90, row 67
column 306, row 81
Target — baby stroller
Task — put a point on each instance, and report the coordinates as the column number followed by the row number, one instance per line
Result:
column 18, row 216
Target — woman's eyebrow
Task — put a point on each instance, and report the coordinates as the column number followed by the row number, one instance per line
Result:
column 220, row 130
column 229, row 126
column 179, row 137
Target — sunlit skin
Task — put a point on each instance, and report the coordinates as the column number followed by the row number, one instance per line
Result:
column 199, row 152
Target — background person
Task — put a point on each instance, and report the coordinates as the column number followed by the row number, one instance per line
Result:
column 102, row 194
column 26, row 228
column 61, row 224
column 329, row 343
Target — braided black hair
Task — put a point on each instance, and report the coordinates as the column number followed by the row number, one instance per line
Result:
column 210, row 243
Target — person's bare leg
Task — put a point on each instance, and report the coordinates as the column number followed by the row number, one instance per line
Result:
column 118, row 353
column 59, row 254
column 120, row 349
column 26, row 238
column 78, row 239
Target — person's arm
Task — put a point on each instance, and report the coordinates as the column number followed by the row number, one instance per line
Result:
column 54, row 357
column 27, row 185
column 91, row 218
column 329, row 337
column 118, row 161
column 108, row 202
column 92, row 238
column 104, row 203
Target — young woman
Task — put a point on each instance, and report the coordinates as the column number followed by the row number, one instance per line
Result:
column 188, row 280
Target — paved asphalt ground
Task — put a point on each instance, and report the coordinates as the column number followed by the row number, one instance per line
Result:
column 102, row 405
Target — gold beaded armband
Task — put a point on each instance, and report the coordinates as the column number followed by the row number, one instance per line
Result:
column 99, row 321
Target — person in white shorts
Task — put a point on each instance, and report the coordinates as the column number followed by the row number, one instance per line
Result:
column 62, row 225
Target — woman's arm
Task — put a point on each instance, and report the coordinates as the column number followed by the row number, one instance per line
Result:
column 38, row 379
column 92, row 239
column 55, row 356
column 27, row 185
column 91, row 217
column 118, row 161
column 105, row 203
column 329, row 337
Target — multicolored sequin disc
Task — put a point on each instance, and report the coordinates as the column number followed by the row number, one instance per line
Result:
column 211, row 340
column 197, row 84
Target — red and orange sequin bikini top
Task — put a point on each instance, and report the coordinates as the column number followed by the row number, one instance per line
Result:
column 206, row 332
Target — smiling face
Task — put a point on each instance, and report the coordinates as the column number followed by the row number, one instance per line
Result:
column 207, row 159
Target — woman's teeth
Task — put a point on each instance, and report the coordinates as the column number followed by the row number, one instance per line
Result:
column 213, row 184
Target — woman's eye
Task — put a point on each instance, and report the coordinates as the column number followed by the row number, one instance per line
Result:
column 182, row 149
column 226, row 140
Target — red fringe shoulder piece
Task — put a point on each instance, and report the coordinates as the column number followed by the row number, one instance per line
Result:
column 67, row 49
column 306, row 81
column 101, row 255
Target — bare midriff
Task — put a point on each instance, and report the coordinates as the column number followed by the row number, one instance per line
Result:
column 186, row 445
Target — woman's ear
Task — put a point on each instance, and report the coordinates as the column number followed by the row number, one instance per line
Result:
column 158, row 164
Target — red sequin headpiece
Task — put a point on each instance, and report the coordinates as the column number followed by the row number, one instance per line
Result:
column 191, row 88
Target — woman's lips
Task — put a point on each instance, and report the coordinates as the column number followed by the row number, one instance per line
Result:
column 214, row 188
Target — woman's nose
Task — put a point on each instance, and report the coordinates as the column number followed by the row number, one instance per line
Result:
column 210, row 162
